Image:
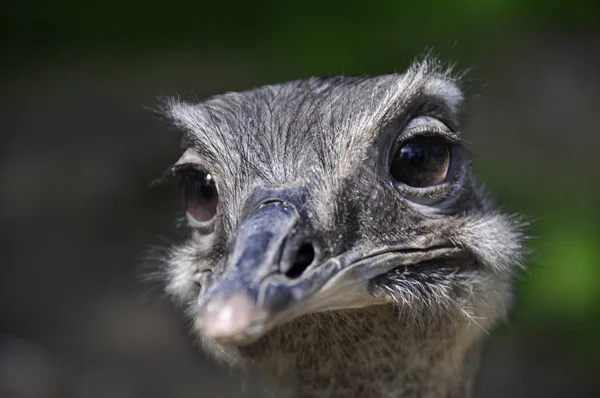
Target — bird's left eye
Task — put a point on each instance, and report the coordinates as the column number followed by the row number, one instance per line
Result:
column 199, row 194
column 421, row 162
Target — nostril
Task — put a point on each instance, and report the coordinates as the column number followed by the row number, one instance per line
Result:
column 304, row 257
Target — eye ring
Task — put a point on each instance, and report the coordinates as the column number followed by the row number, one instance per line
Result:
column 441, row 194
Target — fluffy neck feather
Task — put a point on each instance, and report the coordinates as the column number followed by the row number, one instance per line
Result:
column 370, row 352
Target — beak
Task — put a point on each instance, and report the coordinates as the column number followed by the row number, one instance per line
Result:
column 236, row 306
column 257, row 293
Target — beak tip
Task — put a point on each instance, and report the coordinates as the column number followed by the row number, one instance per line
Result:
column 226, row 319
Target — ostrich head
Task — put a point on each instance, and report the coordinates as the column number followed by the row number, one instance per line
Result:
column 336, row 221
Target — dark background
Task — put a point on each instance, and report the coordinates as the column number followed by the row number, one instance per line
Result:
column 79, row 148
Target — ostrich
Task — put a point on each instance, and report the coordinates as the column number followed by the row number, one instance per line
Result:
column 338, row 243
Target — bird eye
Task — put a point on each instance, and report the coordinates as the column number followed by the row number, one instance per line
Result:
column 199, row 194
column 421, row 162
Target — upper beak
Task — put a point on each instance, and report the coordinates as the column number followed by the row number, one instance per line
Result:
column 253, row 287
column 256, row 292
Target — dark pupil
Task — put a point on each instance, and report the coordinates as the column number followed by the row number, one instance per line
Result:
column 421, row 162
column 199, row 194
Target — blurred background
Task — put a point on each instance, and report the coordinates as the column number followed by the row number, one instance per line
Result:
column 79, row 149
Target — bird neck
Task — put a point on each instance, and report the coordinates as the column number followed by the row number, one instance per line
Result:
column 373, row 352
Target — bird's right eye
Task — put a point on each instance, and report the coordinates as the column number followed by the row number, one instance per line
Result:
column 198, row 193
